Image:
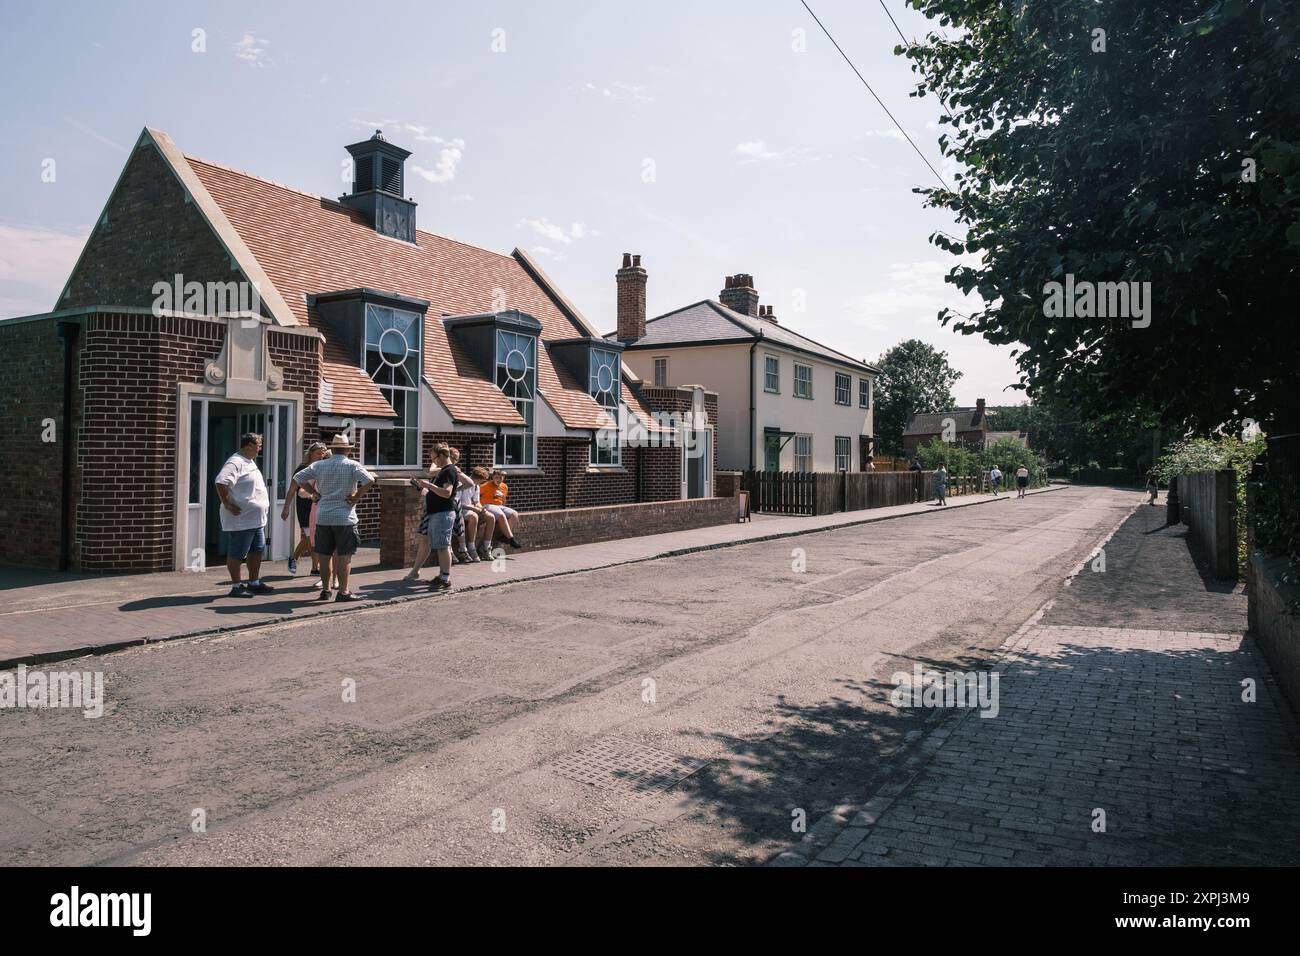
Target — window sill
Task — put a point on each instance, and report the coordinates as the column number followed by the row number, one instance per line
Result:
column 526, row 471
column 606, row 470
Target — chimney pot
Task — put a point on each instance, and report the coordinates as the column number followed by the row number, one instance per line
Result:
column 627, row 260
column 636, row 261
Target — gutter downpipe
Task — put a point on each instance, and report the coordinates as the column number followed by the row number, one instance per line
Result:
column 68, row 332
column 753, row 412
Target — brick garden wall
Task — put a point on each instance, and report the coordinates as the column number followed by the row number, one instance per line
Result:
column 559, row 528
column 31, row 370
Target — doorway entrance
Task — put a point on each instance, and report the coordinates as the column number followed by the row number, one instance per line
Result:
column 697, row 464
column 215, row 427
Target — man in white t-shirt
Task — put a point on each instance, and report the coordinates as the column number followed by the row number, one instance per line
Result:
column 244, row 505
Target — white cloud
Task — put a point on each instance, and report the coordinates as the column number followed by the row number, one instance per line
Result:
column 756, row 150
column 558, row 233
column 449, row 157
column 619, row 91
column 548, row 252
column 34, row 265
column 252, row 49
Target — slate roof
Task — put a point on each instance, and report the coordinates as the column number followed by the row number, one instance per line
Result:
column 931, row 423
column 709, row 321
column 310, row 245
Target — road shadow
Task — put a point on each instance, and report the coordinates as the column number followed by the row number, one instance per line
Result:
column 1211, row 780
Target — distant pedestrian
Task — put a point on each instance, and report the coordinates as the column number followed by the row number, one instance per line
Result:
column 941, row 484
column 995, row 478
column 916, row 464
column 1022, row 481
column 339, row 483
column 1153, row 487
column 244, row 507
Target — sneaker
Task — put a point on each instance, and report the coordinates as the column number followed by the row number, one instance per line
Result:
column 472, row 557
column 438, row 584
column 462, row 557
column 293, row 565
column 484, row 552
column 411, row 575
column 347, row 596
column 515, row 543
column 263, row 588
column 324, row 595
column 241, row 590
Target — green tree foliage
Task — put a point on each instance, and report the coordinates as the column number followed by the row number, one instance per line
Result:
column 1165, row 149
column 1007, row 453
column 914, row 377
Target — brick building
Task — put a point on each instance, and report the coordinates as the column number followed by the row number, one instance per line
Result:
column 208, row 302
column 967, row 427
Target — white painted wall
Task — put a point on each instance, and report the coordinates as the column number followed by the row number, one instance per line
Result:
column 719, row 368
column 725, row 369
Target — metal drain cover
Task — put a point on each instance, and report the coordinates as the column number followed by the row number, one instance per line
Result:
column 618, row 764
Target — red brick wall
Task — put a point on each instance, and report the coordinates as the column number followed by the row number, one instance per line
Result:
column 149, row 233
column 31, row 470
column 126, row 474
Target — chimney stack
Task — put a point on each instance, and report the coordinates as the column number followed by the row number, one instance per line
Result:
column 739, row 294
column 979, row 410
column 765, row 312
column 631, row 280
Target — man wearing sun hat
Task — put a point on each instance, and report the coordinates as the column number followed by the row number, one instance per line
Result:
column 340, row 483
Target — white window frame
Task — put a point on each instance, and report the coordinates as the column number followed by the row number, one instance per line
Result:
column 847, row 379
column 808, row 394
column 774, row 372
column 803, row 462
column 843, row 460
column 661, row 371
column 864, row 393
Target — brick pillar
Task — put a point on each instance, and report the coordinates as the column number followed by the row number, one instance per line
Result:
column 400, row 508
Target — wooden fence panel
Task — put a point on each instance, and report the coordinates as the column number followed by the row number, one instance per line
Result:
column 805, row 493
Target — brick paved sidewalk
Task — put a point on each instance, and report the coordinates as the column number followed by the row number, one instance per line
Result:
column 47, row 616
column 1144, row 723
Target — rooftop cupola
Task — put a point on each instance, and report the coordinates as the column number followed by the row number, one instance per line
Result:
column 378, row 178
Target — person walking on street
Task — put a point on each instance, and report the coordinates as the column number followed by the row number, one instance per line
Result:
column 339, row 482
column 941, row 484
column 995, row 479
column 304, row 503
column 1022, row 481
column 1153, row 487
column 244, row 507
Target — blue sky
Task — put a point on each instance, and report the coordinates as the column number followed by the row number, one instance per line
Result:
column 765, row 159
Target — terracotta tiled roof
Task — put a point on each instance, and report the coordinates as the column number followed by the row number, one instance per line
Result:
column 309, row 245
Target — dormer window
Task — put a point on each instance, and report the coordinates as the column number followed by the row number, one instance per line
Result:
column 605, row 387
column 516, row 376
column 392, row 360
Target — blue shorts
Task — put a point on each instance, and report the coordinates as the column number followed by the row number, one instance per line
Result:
column 440, row 524
column 239, row 543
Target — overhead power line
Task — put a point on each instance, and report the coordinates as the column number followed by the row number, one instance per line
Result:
column 873, row 93
column 942, row 105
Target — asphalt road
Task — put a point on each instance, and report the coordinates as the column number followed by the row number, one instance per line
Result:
column 678, row 711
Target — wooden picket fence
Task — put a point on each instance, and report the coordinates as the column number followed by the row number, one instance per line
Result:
column 821, row 493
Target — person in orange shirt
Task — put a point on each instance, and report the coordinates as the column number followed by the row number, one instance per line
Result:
column 492, row 495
